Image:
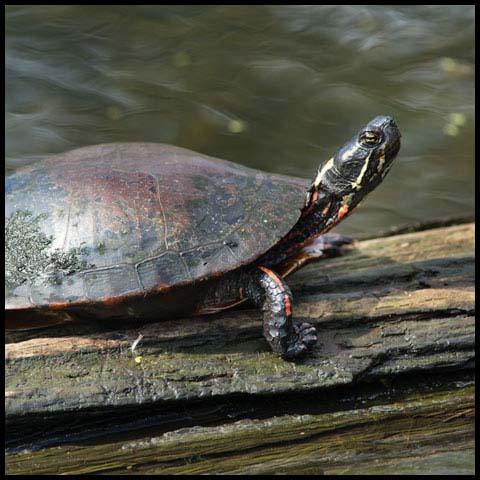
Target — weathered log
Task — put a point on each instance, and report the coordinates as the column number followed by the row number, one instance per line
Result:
column 423, row 433
column 390, row 306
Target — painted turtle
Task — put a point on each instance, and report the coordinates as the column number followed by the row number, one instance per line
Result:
column 150, row 231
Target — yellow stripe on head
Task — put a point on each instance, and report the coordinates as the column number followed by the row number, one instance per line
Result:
column 358, row 182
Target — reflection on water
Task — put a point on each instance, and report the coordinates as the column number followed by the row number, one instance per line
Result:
column 275, row 87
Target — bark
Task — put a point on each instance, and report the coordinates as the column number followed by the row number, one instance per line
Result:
column 428, row 433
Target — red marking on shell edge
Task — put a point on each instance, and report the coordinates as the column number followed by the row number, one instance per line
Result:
column 162, row 287
column 58, row 306
column 112, row 300
column 288, row 305
column 240, row 291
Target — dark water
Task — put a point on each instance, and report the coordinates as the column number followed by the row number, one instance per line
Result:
column 275, row 87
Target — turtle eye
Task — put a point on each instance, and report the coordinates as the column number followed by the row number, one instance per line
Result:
column 370, row 139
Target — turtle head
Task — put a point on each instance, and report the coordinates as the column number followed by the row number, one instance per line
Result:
column 359, row 166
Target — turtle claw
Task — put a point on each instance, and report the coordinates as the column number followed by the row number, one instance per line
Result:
column 303, row 338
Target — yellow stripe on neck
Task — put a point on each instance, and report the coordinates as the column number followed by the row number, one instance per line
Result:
column 381, row 161
column 322, row 172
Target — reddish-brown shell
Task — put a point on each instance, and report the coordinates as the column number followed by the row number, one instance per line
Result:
column 135, row 219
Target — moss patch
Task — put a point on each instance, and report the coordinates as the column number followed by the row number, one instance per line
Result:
column 28, row 253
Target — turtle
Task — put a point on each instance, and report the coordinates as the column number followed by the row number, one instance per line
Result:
column 148, row 231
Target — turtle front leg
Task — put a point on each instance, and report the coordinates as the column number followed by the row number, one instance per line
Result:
column 268, row 291
column 327, row 245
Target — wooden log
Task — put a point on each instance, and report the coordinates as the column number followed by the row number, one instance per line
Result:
column 425, row 433
column 389, row 307
column 394, row 304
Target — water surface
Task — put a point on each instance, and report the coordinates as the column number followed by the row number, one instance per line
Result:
column 278, row 88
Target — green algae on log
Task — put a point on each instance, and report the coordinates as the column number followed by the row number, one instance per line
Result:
column 419, row 433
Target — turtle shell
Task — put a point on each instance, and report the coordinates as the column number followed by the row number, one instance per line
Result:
column 119, row 221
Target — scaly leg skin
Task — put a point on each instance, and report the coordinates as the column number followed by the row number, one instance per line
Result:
column 268, row 291
column 271, row 293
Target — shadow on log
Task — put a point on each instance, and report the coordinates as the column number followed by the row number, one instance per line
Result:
column 393, row 309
